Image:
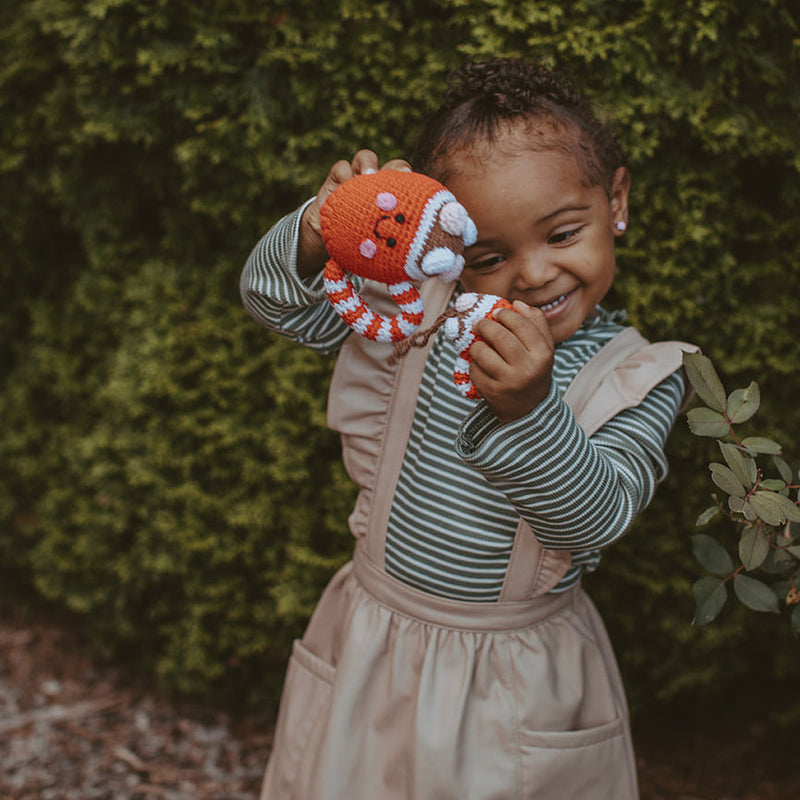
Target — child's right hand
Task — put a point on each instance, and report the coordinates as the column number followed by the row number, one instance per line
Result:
column 311, row 253
column 512, row 362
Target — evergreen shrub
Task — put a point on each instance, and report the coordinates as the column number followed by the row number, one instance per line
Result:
column 164, row 466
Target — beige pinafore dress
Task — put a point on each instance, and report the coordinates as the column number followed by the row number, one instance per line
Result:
column 394, row 694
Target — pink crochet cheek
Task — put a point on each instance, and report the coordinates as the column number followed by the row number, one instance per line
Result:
column 386, row 201
column 368, row 248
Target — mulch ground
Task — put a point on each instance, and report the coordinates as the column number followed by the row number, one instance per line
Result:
column 71, row 729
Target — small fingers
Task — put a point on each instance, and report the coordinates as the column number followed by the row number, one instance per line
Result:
column 512, row 366
column 524, row 325
column 397, row 163
column 537, row 317
column 340, row 172
column 512, row 333
column 487, row 360
column 519, row 340
column 365, row 162
column 496, row 337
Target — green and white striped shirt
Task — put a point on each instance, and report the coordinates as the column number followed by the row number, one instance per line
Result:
column 466, row 479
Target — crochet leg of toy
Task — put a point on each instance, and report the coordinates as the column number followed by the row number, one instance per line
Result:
column 461, row 371
column 362, row 319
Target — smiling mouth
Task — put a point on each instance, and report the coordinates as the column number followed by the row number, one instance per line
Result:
column 554, row 303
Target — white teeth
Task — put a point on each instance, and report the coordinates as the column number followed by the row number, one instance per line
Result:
column 548, row 306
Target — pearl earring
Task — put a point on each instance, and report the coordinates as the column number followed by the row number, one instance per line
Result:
column 621, row 226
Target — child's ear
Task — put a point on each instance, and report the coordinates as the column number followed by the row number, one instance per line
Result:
column 618, row 200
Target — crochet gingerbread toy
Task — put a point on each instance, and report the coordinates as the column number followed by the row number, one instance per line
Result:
column 396, row 228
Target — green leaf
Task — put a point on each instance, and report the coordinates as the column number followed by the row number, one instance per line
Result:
column 743, row 403
column 711, row 554
column 758, row 444
column 755, row 594
column 750, row 514
column 739, row 464
column 752, row 469
column 773, row 485
column 710, row 595
column 705, row 422
column 753, row 548
column 784, row 470
column 704, row 379
column 766, row 505
column 736, row 504
column 795, row 551
column 726, row 480
column 707, row 516
column 790, row 510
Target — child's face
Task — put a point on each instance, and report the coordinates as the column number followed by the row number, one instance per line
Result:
column 543, row 236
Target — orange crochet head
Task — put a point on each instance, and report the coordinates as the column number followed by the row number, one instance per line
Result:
column 392, row 226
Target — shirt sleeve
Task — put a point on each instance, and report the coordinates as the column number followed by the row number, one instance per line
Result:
column 279, row 299
column 576, row 493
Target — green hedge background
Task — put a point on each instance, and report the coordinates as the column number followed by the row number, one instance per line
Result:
column 165, row 471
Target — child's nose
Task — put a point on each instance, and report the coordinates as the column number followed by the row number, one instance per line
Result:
column 535, row 270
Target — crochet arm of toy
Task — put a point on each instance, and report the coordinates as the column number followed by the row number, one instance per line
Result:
column 361, row 318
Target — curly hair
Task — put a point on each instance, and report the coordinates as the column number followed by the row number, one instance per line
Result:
column 485, row 99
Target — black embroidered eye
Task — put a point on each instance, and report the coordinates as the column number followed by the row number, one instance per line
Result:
column 400, row 218
column 391, row 242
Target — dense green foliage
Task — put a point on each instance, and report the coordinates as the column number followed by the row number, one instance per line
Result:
column 164, row 466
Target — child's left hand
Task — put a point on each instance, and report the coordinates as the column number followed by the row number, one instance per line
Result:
column 512, row 367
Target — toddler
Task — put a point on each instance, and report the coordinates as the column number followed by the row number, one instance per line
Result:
column 456, row 655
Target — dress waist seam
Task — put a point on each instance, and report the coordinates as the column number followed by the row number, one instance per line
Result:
column 457, row 614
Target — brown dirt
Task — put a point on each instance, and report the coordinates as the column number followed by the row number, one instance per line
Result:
column 71, row 729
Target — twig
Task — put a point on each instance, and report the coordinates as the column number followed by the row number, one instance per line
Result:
column 55, row 713
column 130, row 758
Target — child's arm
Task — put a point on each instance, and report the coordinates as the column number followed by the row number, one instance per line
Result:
column 281, row 284
column 576, row 493
column 277, row 297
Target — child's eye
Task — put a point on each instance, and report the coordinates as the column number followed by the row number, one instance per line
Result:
column 486, row 264
column 564, row 236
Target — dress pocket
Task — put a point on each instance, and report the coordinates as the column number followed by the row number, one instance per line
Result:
column 590, row 764
column 304, row 704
